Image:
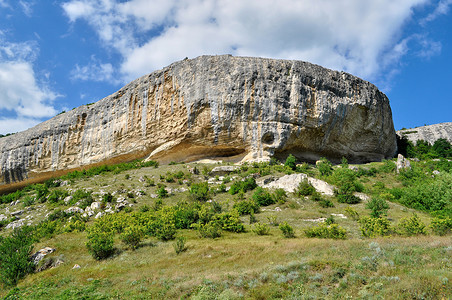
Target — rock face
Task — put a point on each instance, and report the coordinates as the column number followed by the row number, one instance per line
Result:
column 429, row 133
column 237, row 108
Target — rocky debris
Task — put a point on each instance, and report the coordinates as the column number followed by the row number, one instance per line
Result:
column 49, row 263
column 99, row 215
column 342, row 216
column 76, row 266
column 96, row 205
column 315, row 220
column 362, row 196
column 429, row 133
column 3, row 217
column 15, row 224
column 290, row 183
column 75, row 210
column 402, row 163
column 436, row 172
column 40, row 254
column 17, row 213
column 242, row 108
column 14, row 203
column 68, row 199
column 321, row 186
column 223, row 170
column 353, row 168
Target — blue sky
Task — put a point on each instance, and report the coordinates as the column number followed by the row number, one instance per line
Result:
column 57, row 55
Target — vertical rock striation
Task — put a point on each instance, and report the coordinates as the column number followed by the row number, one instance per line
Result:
column 242, row 108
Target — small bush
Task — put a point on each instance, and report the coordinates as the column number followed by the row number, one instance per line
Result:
column 162, row 193
column 330, row 220
column 305, row 189
column 132, row 236
column 411, row 226
column 243, row 186
column 279, row 196
column 246, row 207
column 261, row 229
column 229, row 221
column 325, row 231
column 209, row 230
column 347, row 198
column 441, row 226
column 325, row 167
column 262, row 197
column 100, row 243
column 28, row 200
column 352, row 213
column 373, row 227
column 378, row 207
column 200, row 191
column 291, row 162
column 107, row 198
column 287, row 230
column 15, row 260
column 325, row 203
column 179, row 245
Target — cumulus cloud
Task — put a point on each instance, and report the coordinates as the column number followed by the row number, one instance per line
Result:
column 361, row 37
column 21, row 94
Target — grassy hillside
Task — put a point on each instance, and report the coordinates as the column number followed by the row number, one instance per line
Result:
column 173, row 236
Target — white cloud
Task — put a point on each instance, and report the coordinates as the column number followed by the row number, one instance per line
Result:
column 27, row 7
column 441, row 9
column 362, row 37
column 13, row 125
column 94, row 71
column 21, row 94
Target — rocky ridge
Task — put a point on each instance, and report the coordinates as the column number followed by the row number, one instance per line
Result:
column 428, row 133
column 236, row 108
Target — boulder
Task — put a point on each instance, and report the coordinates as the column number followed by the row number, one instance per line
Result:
column 40, row 254
column 75, row 210
column 402, row 163
column 223, row 170
column 211, row 107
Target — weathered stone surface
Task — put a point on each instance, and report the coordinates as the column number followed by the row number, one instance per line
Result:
column 290, row 183
column 402, row 163
column 429, row 133
column 233, row 108
column 223, row 170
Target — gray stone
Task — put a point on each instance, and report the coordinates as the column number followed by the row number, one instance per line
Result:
column 15, row 224
column 219, row 107
column 17, row 213
column 74, row 209
column 3, row 217
column 223, row 170
column 402, row 163
column 40, row 254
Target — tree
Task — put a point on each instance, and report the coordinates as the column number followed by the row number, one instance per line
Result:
column 291, row 162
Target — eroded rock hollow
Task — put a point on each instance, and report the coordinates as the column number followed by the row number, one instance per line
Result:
column 235, row 108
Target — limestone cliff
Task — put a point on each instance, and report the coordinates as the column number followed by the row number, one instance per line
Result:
column 428, row 133
column 239, row 108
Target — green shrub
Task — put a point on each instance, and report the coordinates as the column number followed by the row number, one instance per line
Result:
column 324, row 166
column 325, row 203
column 286, row 230
column 351, row 213
column 132, row 236
column 179, row 245
column 185, row 214
column 209, row 230
column 28, row 200
column 291, row 162
column 8, row 198
column 15, row 251
column 74, row 226
column 165, row 227
column 279, row 196
column 330, row 220
column 200, row 191
column 261, row 229
column 325, row 231
column 441, row 226
column 388, row 167
column 41, row 192
column 100, row 243
column 305, row 188
column 243, row 186
column 245, row 207
column 347, row 198
column 411, row 226
column 107, row 198
column 378, row 207
column 162, row 192
column 373, row 227
column 262, row 197
column 229, row 221
column 56, row 196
